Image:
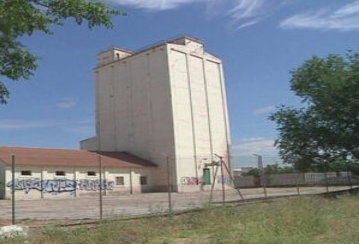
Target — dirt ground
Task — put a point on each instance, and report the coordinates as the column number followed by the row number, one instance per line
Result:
column 67, row 210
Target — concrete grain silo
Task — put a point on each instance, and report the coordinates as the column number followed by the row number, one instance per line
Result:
column 166, row 100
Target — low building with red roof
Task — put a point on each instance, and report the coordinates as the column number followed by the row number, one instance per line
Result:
column 44, row 173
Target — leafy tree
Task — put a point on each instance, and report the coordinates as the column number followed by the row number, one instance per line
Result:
column 342, row 165
column 24, row 17
column 327, row 127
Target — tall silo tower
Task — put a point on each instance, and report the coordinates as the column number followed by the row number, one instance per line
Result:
column 165, row 100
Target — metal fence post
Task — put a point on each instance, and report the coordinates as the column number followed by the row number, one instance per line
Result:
column 213, row 183
column 297, row 183
column 223, row 187
column 131, row 185
column 169, row 188
column 326, row 180
column 104, row 181
column 75, row 182
column 263, row 178
column 100, row 173
column 349, row 176
column 13, row 189
column 42, row 183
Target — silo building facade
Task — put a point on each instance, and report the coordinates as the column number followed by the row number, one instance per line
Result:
column 166, row 104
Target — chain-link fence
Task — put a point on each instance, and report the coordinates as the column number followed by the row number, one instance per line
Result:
column 277, row 178
column 179, row 184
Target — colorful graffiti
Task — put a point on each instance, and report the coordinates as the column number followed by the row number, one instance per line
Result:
column 189, row 181
column 57, row 186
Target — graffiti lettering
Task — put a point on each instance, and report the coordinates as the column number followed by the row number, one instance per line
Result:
column 26, row 185
column 59, row 185
column 189, row 181
column 94, row 185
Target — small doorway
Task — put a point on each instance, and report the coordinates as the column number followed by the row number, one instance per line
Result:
column 206, row 176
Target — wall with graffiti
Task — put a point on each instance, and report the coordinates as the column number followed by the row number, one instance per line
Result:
column 190, row 181
column 57, row 186
column 46, row 183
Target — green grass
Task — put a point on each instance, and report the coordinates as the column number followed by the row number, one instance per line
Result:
column 304, row 220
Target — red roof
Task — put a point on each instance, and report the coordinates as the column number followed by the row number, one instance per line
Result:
column 71, row 158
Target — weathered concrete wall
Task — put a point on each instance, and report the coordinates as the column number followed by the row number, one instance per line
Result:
column 200, row 112
column 290, row 179
column 44, row 183
column 133, row 108
column 300, row 179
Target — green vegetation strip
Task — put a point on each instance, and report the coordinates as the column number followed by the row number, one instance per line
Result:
column 289, row 221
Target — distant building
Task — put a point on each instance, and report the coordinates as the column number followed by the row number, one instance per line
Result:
column 168, row 100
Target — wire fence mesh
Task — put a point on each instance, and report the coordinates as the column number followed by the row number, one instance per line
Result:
column 185, row 183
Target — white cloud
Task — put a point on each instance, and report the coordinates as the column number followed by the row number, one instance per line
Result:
column 259, row 146
column 246, row 9
column 263, row 110
column 247, row 24
column 344, row 18
column 247, row 13
column 244, row 13
column 66, row 103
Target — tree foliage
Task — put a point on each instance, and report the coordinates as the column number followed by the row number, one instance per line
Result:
column 24, row 17
column 327, row 127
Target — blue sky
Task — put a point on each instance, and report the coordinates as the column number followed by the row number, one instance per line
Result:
column 259, row 41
